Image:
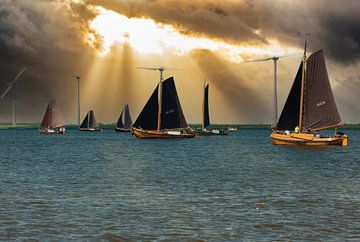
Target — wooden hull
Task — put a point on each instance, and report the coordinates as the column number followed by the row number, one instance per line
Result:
column 210, row 133
column 52, row 131
column 91, row 129
column 154, row 134
column 307, row 139
column 122, row 130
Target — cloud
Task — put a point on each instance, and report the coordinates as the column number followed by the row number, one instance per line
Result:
column 334, row 25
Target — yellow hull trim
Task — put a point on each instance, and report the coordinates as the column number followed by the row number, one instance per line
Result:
column 307, row 139
column 154, row 134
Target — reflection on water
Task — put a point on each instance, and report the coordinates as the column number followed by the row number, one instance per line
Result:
column 110, row 186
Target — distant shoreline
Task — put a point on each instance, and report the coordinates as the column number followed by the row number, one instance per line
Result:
column 110, row 126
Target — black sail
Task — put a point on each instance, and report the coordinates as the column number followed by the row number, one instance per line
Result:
column 120, row 123
column 320, row 111
column 290, row 115
column 89, row 121
column 172, row 115
column 127, row 121
column 206, row 107
column 148, row 117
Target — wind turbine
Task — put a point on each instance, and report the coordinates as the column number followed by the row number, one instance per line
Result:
column 274, row 59
column 12, row 85
column 161, row 69
column 77, row 78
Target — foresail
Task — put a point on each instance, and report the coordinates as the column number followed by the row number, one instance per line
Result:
column 320, row 111
column 147, row 119
column 120, row 122
column 171, row 112
column 206, row 107
column 85, row 122
column 46, row 119
column 290, row 115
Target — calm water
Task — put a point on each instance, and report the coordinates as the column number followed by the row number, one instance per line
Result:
column 112, row 186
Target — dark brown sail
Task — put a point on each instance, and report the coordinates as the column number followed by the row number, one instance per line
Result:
column 206, row 106
column 147, row 119
column 320, row 111
column 89, row 121
column 172, row 115
column 53, row 117
column 127, row 121
column 290, row 115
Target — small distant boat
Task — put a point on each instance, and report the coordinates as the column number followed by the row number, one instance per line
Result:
column 309, row 107
column 206, row 118
column 53, row 121
column 232, row 129
column 127, row 124
column 89, row 123
column 162, row 117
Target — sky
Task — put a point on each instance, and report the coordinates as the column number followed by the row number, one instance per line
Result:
column 105, row 42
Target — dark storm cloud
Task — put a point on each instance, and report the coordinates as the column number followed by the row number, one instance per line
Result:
column 334, row 25
column 47, row 37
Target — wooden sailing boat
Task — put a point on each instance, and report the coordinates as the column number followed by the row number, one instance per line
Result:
column 206, row 118
column 53, row 121
column 89, row 123
column 162, row 116
column 309, row 107
column 127, row 124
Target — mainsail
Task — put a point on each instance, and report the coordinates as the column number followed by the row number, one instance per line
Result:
column 206, row 118
column 320, row 111
column 53, row 117
column 147, row 119
column 89, row 121
column 172, row 115
column 289, row 117
column 127, row 121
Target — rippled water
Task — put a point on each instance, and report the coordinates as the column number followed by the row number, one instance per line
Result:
column 112, row 186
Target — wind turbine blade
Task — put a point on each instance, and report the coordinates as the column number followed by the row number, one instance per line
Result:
column 18, row 75
column 148, row 68
column 258, row 60
column 6, row 91
column 177, row 69
column 283, row 56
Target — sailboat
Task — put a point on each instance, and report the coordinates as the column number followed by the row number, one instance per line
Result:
column 162, row 116
column 310, row 107
column 89, row 123
column 53, row 121
column 206, row 118
column 127, row 124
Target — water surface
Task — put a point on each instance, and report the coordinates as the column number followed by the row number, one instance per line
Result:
column 112, row 186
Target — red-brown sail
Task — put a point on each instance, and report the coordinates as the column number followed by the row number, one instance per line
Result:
column 53, row 117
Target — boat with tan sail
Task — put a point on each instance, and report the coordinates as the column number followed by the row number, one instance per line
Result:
column 205, row 131
column 53, row 121
column 309, row 108
column 162, row 116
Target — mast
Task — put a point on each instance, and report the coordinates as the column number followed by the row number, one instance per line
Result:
column 88, row 119
column 302, row 87
column 275, row 109
column 161, row 69
column 203, row 107
column 14, row 105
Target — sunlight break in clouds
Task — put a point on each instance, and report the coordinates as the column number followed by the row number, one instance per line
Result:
column 148, row 37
